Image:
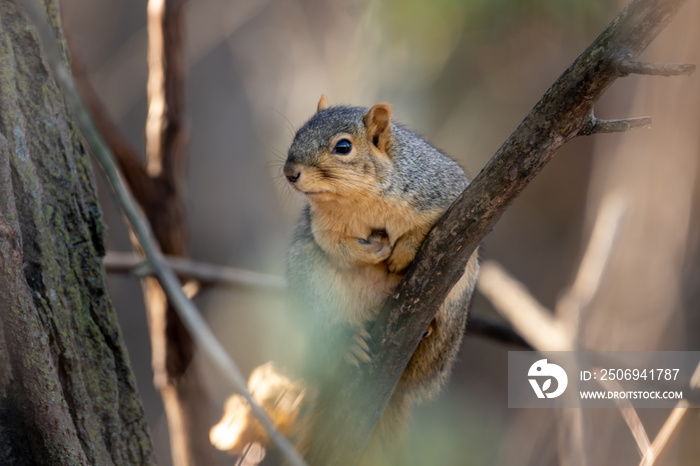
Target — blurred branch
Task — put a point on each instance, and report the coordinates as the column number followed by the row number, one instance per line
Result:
column 540, row 327
column 667, row 430
column 595, row 261
column 629, row 414
column 558, row 117
column 127, row 157
column 656, row 69
column 482, row 326
column 172, row 346
column 214, row 21
column 210, row 274
column 207, row 274
column 533, row 321
column 559, row 331
column 143, row 232
column 665, row 434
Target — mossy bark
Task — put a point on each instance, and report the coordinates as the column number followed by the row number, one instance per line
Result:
column 67, row 392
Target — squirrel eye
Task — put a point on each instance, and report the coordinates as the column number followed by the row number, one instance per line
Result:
column 342, row 147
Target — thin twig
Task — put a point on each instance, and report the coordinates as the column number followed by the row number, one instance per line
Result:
column 665, row 434
column 124, row 262
column 593, row 125
column 670, row 426
column 594, row 263
column 127, row 157
column 530, row 319
column 629, row 414
column 211, row 274
column 627, row 67
column 163, row 201
column 195, row 323
column 575, row 301
column 488, row 328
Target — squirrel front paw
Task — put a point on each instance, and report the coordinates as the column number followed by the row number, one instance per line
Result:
column 400, row 260
column 377, row 244
column 358, row 351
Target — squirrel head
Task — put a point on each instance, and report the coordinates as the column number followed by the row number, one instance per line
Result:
column 341, row 152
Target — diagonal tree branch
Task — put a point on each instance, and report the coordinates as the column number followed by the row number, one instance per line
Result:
column 557, row 118
column 126, row 156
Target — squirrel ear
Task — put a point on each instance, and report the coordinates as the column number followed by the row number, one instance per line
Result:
column 322, row 103
column 378, row 124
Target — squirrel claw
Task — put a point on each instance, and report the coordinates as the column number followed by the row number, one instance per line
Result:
column 359, row 351
column 397, row 265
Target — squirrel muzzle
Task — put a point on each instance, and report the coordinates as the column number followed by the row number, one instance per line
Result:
column 291, row 172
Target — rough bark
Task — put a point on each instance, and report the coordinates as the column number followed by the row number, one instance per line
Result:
column 67, row 392
column 559, row 116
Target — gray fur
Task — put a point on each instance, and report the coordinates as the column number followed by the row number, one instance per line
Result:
column 424, row 175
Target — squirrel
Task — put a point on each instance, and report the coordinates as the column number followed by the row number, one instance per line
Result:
column 374, row 191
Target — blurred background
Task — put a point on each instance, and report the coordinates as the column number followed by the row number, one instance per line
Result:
column 463, row 73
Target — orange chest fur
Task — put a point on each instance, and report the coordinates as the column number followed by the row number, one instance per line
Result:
column 357, row 218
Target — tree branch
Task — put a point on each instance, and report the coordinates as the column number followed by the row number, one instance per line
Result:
column 667, row 430
column 207, row 274
column 210, row 274
column 557, row 117
column 593, row 125
column 534, row 322
column 482, row 326
column 594, row 264
column 629, row 415
column 126, row 156
column 655, row 69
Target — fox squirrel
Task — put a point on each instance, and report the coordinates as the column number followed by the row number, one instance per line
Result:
column 374, row 190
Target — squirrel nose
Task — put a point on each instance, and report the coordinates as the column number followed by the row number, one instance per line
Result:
column 292, row 173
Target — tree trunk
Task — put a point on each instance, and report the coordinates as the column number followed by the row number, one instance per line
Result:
column 67, row 392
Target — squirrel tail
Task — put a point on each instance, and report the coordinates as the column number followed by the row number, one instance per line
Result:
column 239, row 432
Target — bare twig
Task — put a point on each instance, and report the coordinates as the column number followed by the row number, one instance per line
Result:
column 627, row 67
column 207, row 274
column 532, row 320
column 574, row 303
column 665, row 434
column 211, row 274
column 629, row 414
column 594, row 263
column 695, row 378
column 189, row 314
column 593, row 125
column 127, row 157
column 172, row 347
column 667, row 430
column 482, row 326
